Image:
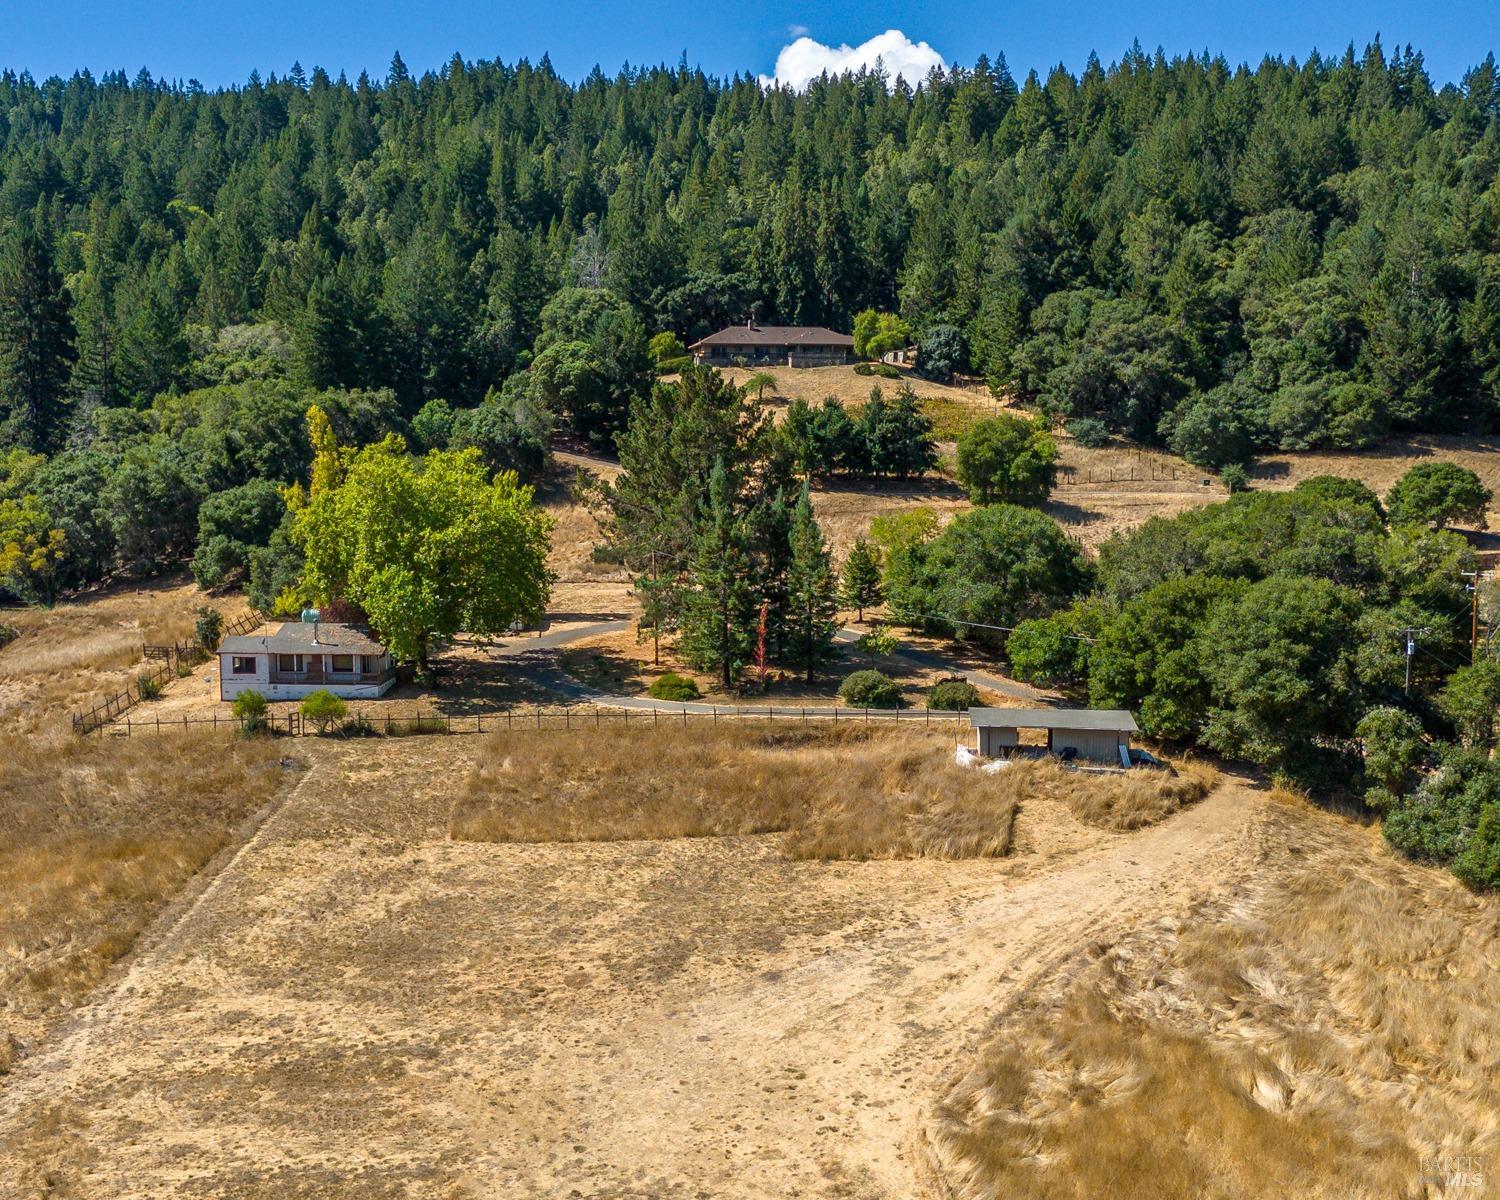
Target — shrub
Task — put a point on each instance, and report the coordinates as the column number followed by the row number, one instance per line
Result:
column 323, row 708
column 952, row 695
column 870, row 689
column 673, row 686
column 1439, row 820
column 8, row 634
column 671, row 366
column 1089, row 432
column 1479, row 863
column 864, row 368
column 208, row 629
column 1393, row 749
column 249, row 708
column 1235, row 478
column 880, row 370
column 148, row 686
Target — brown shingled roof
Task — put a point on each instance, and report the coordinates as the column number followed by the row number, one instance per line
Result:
column 775, row 335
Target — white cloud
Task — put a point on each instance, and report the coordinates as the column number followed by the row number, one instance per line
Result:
column 797, row 31
column 803, row 60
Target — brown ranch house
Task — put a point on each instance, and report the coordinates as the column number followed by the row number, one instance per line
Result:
column 751, row 345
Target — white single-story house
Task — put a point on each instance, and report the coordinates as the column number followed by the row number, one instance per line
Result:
column 1096, row 734
column 290, row 660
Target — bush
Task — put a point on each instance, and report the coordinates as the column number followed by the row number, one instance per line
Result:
column 8, row 634
column 881, row 370
column 208, row 629
column 148, row 686
column 358, row 726
column 1440, row 820
column 952, row 695
column 249, row 708
column 323, row 708
column 1089, row 432
column 1235, row 478
column 671, row 366
column 1479, row 863
column 673, row 686
column 870, row 689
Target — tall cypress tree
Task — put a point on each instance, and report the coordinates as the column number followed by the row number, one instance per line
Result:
column 811, row 586
column 719, row 612
column 36, row 342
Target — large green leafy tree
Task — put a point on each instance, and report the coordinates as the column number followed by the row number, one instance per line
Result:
column 427, row 547
column 1007, row 458
column 996, row 566
column 36, row 342
column 1438, row 494
column 1283, row 668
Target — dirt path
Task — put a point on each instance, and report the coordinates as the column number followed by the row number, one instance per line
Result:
column 356, row 1006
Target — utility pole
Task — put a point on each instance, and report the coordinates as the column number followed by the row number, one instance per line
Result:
column 1474, row 614
column 1411, row 648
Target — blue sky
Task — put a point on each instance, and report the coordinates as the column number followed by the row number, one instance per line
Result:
column 219, row 43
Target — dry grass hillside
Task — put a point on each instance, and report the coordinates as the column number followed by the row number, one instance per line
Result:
column 96, row 836
column 82, row 649
column 1324, row 1029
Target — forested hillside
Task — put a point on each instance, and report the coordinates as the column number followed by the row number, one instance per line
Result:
column 1220, row 258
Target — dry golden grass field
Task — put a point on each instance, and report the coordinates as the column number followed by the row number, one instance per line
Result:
column 740, row 961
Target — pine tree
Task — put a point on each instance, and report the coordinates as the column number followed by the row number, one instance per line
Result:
column 859, row 587
column 811, row 587
column 36, row 343
column 719, row 611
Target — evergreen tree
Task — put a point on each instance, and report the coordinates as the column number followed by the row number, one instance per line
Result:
column 859, row 586
column 36, row 343
column 811, row 587
column 720, row 608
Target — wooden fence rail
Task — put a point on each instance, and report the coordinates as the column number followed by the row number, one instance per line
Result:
column 1136, row 472
column 558, row 718
column 169, row 658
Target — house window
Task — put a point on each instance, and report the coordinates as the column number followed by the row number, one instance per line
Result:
column 342, row 662
column 242, row 664
column 290, row 662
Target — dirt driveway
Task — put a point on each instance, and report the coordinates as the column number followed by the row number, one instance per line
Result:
column 356, row 1006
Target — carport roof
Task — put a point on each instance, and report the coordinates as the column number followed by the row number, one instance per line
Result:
column 1117, row 720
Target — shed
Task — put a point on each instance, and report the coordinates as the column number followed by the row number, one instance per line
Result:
column 1097, row 734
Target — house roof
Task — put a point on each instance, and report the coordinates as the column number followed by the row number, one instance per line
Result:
column 1113, row 719
column 775, row 335
column 296, row 637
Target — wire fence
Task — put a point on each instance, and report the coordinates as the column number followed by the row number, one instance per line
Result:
column 169, row 661
column 398, row 723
